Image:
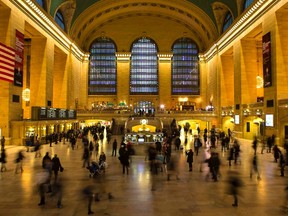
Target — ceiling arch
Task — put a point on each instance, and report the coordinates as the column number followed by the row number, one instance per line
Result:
column 153, row 17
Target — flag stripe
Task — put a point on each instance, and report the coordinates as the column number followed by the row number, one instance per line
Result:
column 7, row 63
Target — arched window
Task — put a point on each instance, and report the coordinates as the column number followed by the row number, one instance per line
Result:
column 227, row 21
column 102, row 71
column 185, row 68
column 41, row 3
column 247, row 3
column 144, row 67
column 60, row 19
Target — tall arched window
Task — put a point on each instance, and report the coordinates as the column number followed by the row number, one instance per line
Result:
column 247, row 3
column 60, row 19
column 102, row 71
column 228, row 20
column 185, row 68
column 144, row 67
column 41, row 3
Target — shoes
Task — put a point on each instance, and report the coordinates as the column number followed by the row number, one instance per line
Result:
column 59, row 206
column 41, row 203
column 235, row 205
column 90, row 212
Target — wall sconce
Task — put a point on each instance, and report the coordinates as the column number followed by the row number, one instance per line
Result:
column 258, row 112
column 246, row 112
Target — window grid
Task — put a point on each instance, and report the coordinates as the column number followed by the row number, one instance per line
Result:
column 247, row 3
column 102, row 73
column 144, row 67
column 60, row 20
column 41, row 3
column 228, row 20
column 185, row 68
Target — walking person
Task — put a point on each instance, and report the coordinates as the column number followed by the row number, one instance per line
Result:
column 282, row 163
column 91, row 148
column 255, row 144
column 124, row 159
column 189, row 155
column 234, row 183
column 20, row 157
column 3, row 160
column 47, row 166
column 37, row 148
column 3, row 143
column 114, row 148
column 254, row 167
column 56, row 166
column 86, row 157
column 276, row 152
column 89, row 194
column 197, row 144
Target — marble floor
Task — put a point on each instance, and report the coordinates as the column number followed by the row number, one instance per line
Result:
column 193, row 194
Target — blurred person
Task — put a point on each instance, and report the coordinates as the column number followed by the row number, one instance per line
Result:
column 89, row 194
column 197, row 144
column 235, row 183
column 37, row 148
column 102, row 160
column 237, row 151
column 114, row 148
column 96, row 149
column 172, row 169
column 47, row 166
column 282, row 163
column 189, row 155
column 276, row 153
column 3, row 142
column 101, row 187
column 86, row 157
column 56, row 166
column 231, row 155
column 254, row 167
column 19, row 159
column 42, row 179
column 57, row 191
column 91, row 148
column 3, row 160
column 255, row 144
column 214, row 165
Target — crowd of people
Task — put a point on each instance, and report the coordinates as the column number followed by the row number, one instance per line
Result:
column 203, row 147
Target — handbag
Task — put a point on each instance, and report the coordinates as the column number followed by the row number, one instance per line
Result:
column 61, row 169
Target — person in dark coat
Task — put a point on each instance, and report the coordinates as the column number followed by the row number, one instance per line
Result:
column 124, row 158
column 114, row 148
column 276, row 152
column 86, row 157
column 189, row 155
column 56, row 166
column 177, row 143
column 3, row 160
column 282, row 163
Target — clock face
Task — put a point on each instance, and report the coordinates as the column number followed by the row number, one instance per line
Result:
column 143, row 121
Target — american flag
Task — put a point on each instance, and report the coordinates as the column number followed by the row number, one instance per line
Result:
column 7, row 63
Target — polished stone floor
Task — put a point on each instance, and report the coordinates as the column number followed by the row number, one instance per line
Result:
column 191, row 195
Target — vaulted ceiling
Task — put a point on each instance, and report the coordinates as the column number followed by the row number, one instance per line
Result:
column 161, row 20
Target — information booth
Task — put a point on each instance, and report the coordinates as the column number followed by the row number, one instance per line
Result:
column 143, row 137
